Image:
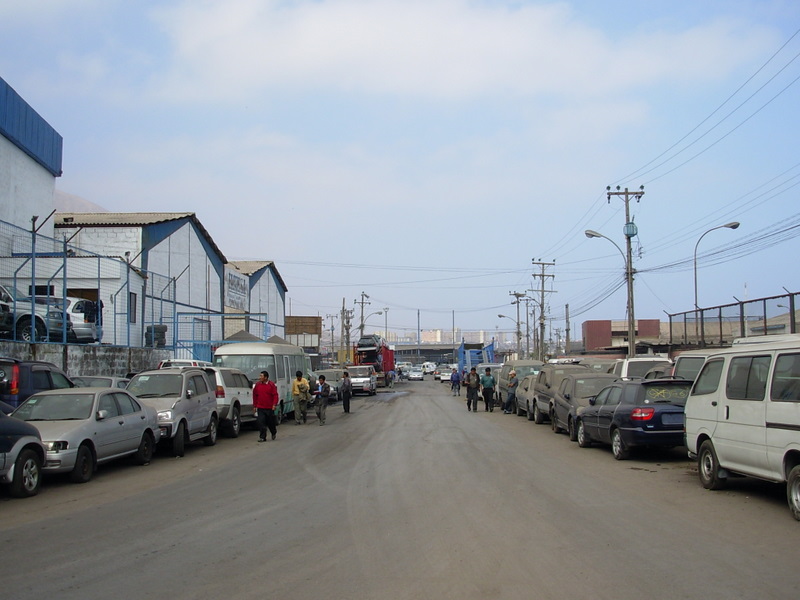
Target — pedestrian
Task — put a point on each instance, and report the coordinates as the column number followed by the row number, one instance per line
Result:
column 511, row 394
column 455, row 382
column 346, row 390
column 300, row 397
column 322, row 394
column 488, row 383
column 473, row 382
column 391, row 378
column 265, row 401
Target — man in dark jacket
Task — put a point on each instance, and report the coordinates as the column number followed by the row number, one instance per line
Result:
column 473, row 382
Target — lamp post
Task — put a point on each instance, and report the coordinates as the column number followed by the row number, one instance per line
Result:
column 386, row 324
column 519, row 333
column 732, row 225
column 629, row 279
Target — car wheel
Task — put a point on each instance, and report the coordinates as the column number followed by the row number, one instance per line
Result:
column 584, row 441
column 179, row 441
column 25, row 331
column 538, row 417
column 618, row 447
column 27, row 474
column 211, row 438
column 144, row 454
column 84, row 465
column 520, row 411
column 573, row 434
column 708, row 467
column 793, row 491
column 235, row 424
column 528, row 411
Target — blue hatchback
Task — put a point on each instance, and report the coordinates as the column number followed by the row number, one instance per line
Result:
column 637, row 412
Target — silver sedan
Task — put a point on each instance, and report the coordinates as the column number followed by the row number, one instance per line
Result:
column 84, row 427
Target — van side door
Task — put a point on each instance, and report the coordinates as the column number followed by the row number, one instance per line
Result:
column 740, row 438
column 783, row 412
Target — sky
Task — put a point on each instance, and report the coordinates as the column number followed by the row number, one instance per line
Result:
column 428, row 153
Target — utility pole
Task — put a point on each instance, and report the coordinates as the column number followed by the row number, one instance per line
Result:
column 363, row 301
column 517, row 299
column 630, row 231
column 543, row 276
column 566, row 313
column 347, row 314
column 332, row 351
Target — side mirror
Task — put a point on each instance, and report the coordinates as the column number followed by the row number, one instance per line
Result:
column 102, row 415
column 567, row 396
column 189, row 394
column 592, row 400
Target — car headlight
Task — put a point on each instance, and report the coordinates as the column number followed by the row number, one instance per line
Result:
column 58, row 446
column 165, row 415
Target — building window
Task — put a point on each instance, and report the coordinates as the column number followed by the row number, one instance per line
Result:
column 131, row 307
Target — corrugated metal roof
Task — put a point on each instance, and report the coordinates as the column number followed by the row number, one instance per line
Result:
column 249, row 267
column 63, row 220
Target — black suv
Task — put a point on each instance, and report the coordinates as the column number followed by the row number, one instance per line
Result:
column 21, row 378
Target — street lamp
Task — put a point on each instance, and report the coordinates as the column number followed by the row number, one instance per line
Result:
column 629, row 278
column 732, row 225
column 386, row 324
column 519, row 333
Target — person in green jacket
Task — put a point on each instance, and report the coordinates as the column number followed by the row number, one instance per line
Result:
column 487, row 384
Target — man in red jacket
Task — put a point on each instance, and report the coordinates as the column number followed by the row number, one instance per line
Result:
column 265, row 401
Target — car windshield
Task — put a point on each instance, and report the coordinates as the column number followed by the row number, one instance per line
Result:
column 673, row 393
column 156, row 385
column 92, row 381
column 526, row 370
column 359, row 371
column 585, row 388
column 56, row 407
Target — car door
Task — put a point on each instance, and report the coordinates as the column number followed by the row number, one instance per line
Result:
column 606, row 412
column 740, row 438
column 245, row 393
column 561, row 400
column 135, row 421
column 196, row 408
column 589, row 414
column 109, row 436
column 783, row 411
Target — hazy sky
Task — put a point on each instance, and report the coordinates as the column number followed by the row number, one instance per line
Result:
column 425, row 152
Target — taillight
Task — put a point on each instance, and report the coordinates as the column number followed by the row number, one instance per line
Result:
column 220, row 391
column 14, row 380
column 642, row 414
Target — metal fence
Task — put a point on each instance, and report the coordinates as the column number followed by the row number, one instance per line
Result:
column 720, row 325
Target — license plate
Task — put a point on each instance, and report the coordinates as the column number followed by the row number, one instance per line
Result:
column 672, row 418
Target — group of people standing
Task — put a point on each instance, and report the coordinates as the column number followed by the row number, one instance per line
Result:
column 485, row 384
column 266, row 400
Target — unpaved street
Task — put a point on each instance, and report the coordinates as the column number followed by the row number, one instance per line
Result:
column 408, row 497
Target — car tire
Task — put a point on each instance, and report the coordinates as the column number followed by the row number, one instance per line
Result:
column 84, row 465
column 618, row 447
column 584, row 441
column 235, row 423
column 519, row 411
column 573, row 433
column 538, row 417
column 27, row 474
column 179, row 441
column 25, row 330
column 793, row 491
column 144, row 454
column 708, row 467
column 528, row 411
column 212, row 430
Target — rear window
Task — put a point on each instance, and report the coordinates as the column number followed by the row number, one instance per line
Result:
column 688, row 367
column 638, row 368
column 786, row 380
column 674, row 393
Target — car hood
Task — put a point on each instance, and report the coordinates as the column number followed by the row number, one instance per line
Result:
column 60, row 430
column 159, row 403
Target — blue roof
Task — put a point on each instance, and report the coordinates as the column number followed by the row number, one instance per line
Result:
column 27, row 130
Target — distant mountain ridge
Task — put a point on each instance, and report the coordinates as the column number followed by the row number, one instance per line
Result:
column 69, row 203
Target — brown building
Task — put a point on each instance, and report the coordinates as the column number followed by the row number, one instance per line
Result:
column 598, row 335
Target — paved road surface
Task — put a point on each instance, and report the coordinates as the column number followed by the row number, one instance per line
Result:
column 408, row 497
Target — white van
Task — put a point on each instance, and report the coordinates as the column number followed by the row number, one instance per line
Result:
column 743, row 416
column 636, row 367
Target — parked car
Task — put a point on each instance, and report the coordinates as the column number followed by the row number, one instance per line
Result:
column 185, row 401
column 442, row 373
column 637, row 366
column 522, row 367
column 525, row 397
column 21, row 378
column 85, row 427
column 183, row 362
column 22, row 455
column 547, row 381
column 573, row 395
column 659, row 371
column 101, row 381
column 599, row 364
column 743, row 417
column 234, row 392
column 47, row 322
column 83, row 315
column 363, row 379
column 333, row 377
column 416, row 374
column 635, row 412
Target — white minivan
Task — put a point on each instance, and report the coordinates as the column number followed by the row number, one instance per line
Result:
column 743, row 416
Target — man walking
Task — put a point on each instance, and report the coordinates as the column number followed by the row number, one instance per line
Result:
column 346, row 389
column 488, row 383
column 300, row 394
column 511, row 395
column 265, row 401
column 455, row 382
column 322, row 393
column 472, row 381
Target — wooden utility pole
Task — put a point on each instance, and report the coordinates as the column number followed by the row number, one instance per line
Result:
column 543, row 276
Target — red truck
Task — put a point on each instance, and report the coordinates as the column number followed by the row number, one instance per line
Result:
column 374, row 350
